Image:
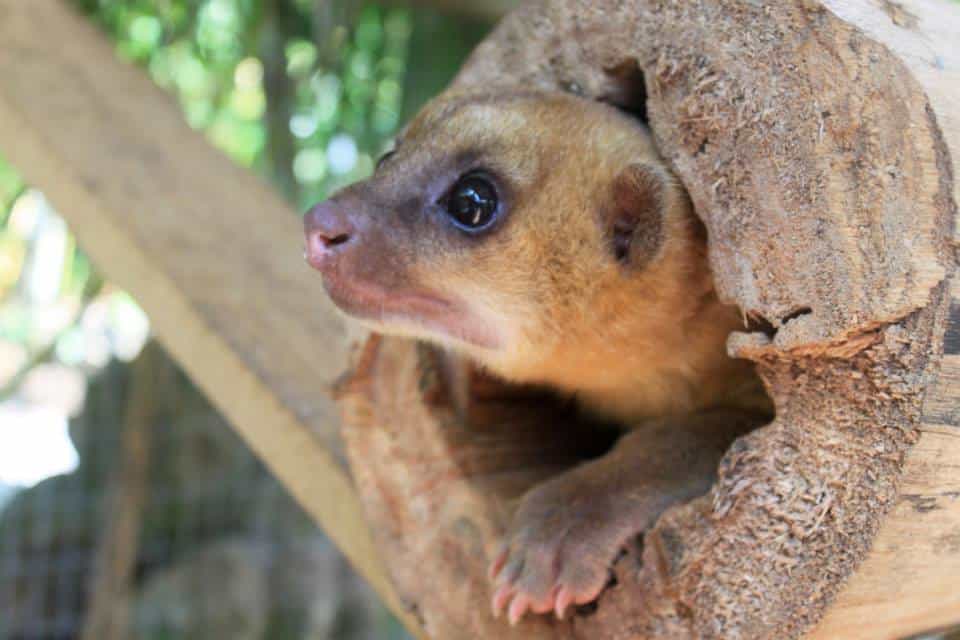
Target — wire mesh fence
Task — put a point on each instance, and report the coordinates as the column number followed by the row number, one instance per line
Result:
column 170, row 528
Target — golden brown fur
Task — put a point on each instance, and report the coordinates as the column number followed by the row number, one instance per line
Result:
column 633, row 342
column 593, row 279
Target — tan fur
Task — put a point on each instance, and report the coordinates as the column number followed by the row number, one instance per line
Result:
column 543, row 296
column 630, row 343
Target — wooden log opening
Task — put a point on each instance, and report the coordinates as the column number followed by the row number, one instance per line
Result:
column 818, row 141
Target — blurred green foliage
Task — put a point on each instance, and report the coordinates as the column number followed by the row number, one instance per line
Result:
column 308, row 93
column 334, row 79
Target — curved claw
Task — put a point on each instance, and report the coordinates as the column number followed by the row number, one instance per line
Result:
column 564, row 600
column 517, row 608
column 500, row 599
column 499, row 561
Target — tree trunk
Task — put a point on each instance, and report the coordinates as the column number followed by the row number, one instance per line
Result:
column 817, row 141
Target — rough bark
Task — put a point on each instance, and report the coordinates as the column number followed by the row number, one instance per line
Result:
column 818, row 149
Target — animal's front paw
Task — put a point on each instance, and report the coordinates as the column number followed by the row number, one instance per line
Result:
column 568, row 531
column 560, row 549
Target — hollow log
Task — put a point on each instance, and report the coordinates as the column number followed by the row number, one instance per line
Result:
column 817, row 140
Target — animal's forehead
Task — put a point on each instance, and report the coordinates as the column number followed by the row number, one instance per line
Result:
column 471, row 122
column 517, row 135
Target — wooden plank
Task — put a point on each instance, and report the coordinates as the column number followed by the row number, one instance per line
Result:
column 911, row 581
column 212, row 254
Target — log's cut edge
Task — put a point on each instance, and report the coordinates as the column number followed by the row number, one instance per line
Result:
column 212, row 254
column 908, row 584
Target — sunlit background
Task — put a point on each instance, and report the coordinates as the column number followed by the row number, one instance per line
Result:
column 306, row 93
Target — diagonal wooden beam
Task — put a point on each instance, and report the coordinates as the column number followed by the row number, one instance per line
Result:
column 212, row 254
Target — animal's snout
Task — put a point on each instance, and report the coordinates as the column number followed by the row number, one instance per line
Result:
column 329, row 231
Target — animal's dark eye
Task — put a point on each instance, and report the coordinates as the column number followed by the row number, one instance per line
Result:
column 384, row 158
column 472, row 202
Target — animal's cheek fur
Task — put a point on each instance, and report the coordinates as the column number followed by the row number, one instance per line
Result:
column 499, row 296
column 499, row 299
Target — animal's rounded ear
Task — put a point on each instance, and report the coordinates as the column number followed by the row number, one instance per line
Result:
column 634, row 212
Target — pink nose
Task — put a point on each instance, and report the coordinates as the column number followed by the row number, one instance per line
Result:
column 328, row 232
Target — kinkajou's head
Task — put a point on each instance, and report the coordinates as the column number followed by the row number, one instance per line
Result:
column 534, row 231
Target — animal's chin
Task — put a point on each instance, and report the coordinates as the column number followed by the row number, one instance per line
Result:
column 418, row 314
